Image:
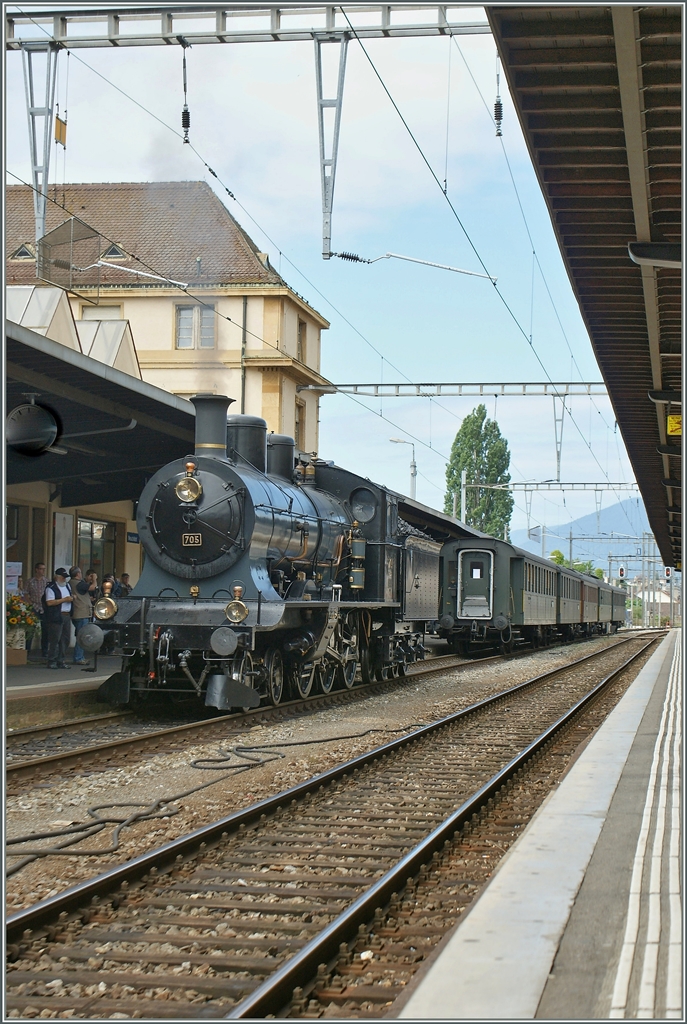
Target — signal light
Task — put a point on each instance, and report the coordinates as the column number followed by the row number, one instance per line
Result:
column 668, row 571
column 621, row 572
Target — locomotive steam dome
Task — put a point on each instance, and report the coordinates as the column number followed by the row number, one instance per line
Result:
column 192, row 515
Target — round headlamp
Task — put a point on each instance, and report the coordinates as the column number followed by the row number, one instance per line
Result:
column 236, row 611
column 189, row 489
column 105, row 608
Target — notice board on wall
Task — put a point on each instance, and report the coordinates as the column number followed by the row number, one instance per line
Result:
column 12, row 574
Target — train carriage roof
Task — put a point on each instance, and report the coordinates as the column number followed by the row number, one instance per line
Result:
column 439, row 525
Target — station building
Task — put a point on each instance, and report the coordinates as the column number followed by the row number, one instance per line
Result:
column 103, row 348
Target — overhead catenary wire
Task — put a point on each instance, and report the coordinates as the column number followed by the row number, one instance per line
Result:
column 231, row 195
column 397, row 426
column 505, row 302
column 290, row 261
column 526, row 224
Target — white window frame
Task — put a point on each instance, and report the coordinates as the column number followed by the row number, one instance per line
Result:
column 196, row 326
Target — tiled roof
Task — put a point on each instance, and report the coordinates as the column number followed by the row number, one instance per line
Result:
column 167, row 224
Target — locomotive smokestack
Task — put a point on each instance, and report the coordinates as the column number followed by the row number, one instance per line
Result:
column 211, row 425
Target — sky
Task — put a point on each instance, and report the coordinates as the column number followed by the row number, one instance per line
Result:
column 254, row 121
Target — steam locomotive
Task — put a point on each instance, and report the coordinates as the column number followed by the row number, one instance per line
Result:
column 269, row 573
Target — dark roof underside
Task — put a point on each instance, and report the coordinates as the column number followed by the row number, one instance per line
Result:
column 105, row 461
column 598, row 94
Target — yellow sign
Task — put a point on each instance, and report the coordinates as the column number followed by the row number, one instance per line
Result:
column 61, row 131
column 674, row 426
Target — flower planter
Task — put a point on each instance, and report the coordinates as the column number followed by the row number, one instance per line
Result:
column 15, row 647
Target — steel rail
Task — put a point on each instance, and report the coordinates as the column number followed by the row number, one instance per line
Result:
column 99, row 751
column 95, row 752
column 69, row 725
column 275, row 993
column 187, row 845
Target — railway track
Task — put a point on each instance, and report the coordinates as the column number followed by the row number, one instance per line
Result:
column 132, row 734
column 236, row 918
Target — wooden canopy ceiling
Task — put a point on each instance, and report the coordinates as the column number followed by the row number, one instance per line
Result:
column 598, row 91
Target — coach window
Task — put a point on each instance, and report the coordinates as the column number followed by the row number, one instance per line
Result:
column 195, row 327
column 476, row 570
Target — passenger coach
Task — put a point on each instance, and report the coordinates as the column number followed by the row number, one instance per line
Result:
column 492, row 590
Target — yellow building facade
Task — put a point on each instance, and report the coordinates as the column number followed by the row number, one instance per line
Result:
column 236, row 328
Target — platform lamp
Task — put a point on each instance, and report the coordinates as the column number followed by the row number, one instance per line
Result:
column 413, row 464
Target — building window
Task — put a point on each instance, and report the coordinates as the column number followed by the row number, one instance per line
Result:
column 301, row 341
column 24, row 252
column 101, row 312
column 195, row 327
column 113, row 252
column 299, row 426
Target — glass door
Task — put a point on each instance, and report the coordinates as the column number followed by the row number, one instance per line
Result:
column 475, row 585
column 96, row 547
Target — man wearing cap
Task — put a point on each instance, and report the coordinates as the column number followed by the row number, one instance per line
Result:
column 58, row 601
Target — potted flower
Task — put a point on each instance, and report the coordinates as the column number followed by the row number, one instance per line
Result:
column 19, row 616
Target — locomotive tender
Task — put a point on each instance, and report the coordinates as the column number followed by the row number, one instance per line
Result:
column 269, row 573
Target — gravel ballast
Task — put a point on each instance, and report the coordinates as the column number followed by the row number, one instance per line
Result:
column 58, row 802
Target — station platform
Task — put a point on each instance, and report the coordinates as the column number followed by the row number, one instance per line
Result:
column 582, row 920
column 21, row 679
column 37, row 695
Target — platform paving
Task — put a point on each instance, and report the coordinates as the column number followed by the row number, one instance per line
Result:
column 582, row 919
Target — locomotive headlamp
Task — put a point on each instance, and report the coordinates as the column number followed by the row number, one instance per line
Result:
column 105, row 608
column 189, row 488
column 236, row 611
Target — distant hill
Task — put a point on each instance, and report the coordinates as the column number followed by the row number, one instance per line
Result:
column 609, row 535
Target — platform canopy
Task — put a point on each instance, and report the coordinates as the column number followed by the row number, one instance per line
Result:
column 116, row 430
column 598, row 93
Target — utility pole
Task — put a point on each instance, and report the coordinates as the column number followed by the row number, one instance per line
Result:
column 644, row 581
column 671, row 599
column 609, row 566
column 463, row 494
column 543, row 541
column 570, row 540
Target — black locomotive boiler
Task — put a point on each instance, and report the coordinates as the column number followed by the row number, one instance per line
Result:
column 269, row 573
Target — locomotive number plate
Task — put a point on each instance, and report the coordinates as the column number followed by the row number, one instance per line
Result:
column 191, row 540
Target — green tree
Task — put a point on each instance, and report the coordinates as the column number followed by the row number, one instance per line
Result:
column 559, row 558
column 480, row 449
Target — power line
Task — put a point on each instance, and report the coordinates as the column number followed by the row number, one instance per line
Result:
column 465, row 232
column 319, row 292
column 525, row 222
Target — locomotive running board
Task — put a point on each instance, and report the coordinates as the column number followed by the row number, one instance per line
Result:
column 116, row 689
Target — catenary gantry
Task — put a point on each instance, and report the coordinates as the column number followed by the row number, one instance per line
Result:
column 598, row 93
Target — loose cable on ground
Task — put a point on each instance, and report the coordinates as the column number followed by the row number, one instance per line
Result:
column 249, row 758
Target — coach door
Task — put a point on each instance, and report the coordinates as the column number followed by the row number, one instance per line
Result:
column 476, row 584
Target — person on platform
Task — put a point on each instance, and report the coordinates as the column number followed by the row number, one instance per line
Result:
column 57, row 601
column 35, row 589
column 81, row 610
column 124, row 587
column 93, row 588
